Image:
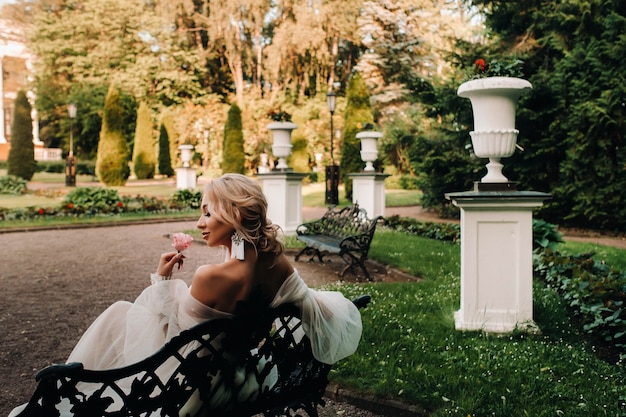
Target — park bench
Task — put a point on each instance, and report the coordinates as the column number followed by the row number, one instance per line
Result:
column 220, row 367
column 347, row 232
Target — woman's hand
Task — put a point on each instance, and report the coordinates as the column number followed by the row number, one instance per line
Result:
column 168, row 261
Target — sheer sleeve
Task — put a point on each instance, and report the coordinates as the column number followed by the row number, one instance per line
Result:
column 331, row 321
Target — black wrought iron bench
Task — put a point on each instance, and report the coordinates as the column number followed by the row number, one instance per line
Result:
column 347, row 232
column 221, row 367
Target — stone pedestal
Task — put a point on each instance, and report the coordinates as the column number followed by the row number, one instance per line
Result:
column 283, row 191
column 185, row 178
column 368, row 191
column 496, row 259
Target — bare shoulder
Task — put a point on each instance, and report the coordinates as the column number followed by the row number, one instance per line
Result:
column 219, row 286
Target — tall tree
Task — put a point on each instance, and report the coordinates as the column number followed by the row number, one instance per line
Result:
column 233, row 159
column 165, row 159
column 358, row 113
column 21, row 160
column 133, row 48
column 112, row 160
column 144, row 158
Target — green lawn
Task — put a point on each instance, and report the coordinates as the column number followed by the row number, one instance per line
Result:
column 48, row 189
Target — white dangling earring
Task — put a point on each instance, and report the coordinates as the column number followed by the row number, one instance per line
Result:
column 237, row 247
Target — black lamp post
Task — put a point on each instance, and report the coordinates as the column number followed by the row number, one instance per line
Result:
column 332, row 170
column 70, row 161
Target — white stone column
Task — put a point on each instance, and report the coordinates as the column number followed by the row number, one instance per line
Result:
column 368, row 191
column 283, row 191
column 496, row 259
column 186, row 175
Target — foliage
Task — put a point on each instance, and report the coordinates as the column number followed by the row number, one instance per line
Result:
column 574, row 57
column 92, row 200
column 233, row 155
column 144, row 159
column 187, row 198
column 21, row 161
column 358, row 112
column 280, row 116
column 165, row 159
column 11, row 184
column 112, row 160
column 446, row 231
column 82, row 167
column 401, row 182
column 506, row 67
column 545, row 235
column 593, row 291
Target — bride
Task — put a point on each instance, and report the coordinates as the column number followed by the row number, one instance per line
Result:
column 256, row 272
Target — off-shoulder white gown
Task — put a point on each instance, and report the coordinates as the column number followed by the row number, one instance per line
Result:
column 127, row 332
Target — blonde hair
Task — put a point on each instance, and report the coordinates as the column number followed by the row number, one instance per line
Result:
column 239, row 201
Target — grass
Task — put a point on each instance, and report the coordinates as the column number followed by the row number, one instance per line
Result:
column 411, row 351
column 611, row 256
column 313, row 195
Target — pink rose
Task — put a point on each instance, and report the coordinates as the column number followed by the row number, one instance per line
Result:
column 181, row 241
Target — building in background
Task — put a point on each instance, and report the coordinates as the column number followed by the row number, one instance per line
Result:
column 15, row 64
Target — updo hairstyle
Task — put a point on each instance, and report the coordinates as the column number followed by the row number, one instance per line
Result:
column 239, row 201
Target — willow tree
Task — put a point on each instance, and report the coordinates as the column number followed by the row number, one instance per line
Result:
column 112, row 159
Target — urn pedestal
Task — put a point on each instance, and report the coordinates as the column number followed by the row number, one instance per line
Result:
column 368, row 191
column 496, row 259
column 283, row 191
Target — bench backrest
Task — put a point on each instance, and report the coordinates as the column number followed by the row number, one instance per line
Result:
column 349, row 221
column 223, row 366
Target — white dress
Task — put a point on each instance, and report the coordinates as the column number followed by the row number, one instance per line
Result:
column 126, row 332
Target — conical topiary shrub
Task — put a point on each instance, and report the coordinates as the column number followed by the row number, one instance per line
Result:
column 21, row 161
column 144, row 158
column 112, row 159
column 165, row 159
column 234, row 155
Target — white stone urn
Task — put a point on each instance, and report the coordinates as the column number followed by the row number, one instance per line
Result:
column 281, row 145
column 185, row 154
column 369, row 147
column 494, row 101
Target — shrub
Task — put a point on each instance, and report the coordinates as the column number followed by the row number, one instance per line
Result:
column 11, row 184
column 92, row 200
column 402, row 182
column 21, row 160
column 165, row 159
column 187, row 199
column 112, row 160
column 233, row 156
column 593, row 292
column 144, row 159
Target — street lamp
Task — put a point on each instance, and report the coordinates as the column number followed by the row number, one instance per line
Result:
column 70, row 162
column 332, row 170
